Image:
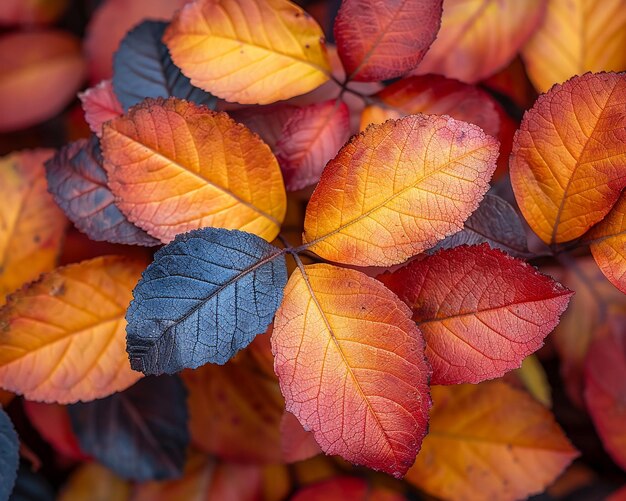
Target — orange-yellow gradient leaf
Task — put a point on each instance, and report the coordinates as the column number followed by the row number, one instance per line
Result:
column 309, row 139
column 382, row 40
column 605, row 387
column 479, row 37
column 568, row 164
column 351, row 367
column 175, row 166
column 100, row 105
column 343, row 488
column 40, row 72
column 249, row 51
column 489, row 441
column 398, row 188
column 608, row 244
column 481, row 311
column 96, row 483
column 63, row 339
column 31, row 224
column 574, row 37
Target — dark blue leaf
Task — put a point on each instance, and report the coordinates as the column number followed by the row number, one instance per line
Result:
column 206, row 296
column 142, row 67
column 141, row 433
column 9, row 455
column 78, row 183
column 31, row 486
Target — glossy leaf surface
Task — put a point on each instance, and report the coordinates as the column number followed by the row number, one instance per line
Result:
column 481, row 311
column 351, row 366
column 191, row 167
column 205, row 296
column 396, row 189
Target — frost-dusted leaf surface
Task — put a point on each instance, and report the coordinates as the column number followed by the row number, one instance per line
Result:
column 379, row 40
column 78, row 183
column 206, row 296
column 9, row 459
column 249, row 51
column 311, row 137
column 40, row 72
column 569, row 156
column 342, row 488
column 435, row 95
column 141, row 433
column 62, row 337
column 507, row 445
column 576, row 36
column 479, row 37
column 605, row 387
column 31, row 224
column 396, row 189
column 481, row 311
column 495, row 222
column 191, row 167
column 236, row 402
column 143, row 67
column 351, row 366
column 608, row 244
column 100, row 105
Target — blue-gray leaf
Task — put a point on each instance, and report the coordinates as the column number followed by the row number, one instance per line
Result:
column 142, row 67
column 9, row 455
column 206, row 296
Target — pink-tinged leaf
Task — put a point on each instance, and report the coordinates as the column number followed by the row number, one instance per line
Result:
column 345, row 488
column 297, row 443
column 100, row 105
column 481, row 311
column 605, row 388
column 378, row 40
column 351, row 367
column 266, row 121
column 309, row 139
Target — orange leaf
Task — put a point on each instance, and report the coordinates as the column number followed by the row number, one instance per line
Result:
column 345, row 488
column 309, row 139
column 576, row 36
column 351, row 367
column 40, row 73
column 31, row 224
column 31, row 12
column 479, row 37
column 96, row 483
column 605, row 387
column 62, row 338
column 248, row 51
column 191, row 167
column 383, row 40
column 489, row 441
column 608, row 244
column 481, row 311
column 100, row 105
column 397, row 189
column 567, row 165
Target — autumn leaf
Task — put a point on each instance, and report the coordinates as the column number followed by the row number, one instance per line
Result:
column 266, row 121
column 607, row 241
column 605, row 387
column 479, row 37
column 297, row 443
column 351, row 367
column 100, row 105
column 96, row 483
column 248, row 51
column 78, row 183
column 143, row 67
column 396, row 189
column 191, row 167
column 568, row 156
column 133, row 433
column 205, row 296
column 40, row 72
column 398, row 35
column 309, row 139
column 9, row 459
column 343, row 488
column 31, row 224
column 576, row 36
column 481, row 311
column 62, row 337
column 31, row 12
column 507, row 445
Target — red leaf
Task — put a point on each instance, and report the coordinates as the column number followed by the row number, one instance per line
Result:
column 297, row 443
